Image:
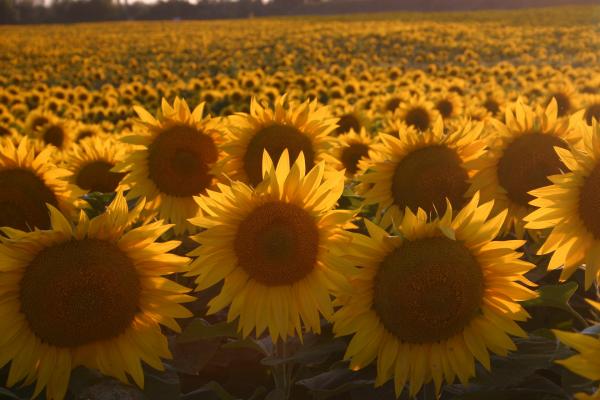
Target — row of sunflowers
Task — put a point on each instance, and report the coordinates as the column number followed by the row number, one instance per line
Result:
column 350, row 209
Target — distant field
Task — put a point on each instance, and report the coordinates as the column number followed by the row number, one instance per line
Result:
column 234, row 45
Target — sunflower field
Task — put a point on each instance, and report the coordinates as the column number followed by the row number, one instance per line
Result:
column 385, row 206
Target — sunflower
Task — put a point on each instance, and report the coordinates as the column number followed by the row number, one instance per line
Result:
column 570, row 207
column 4, row 110
column 428, row 303
column 83, row 131
column 587, row 362
column 299, row 128
column 28, row 182
column 173, row 161
column 394, row 126
column 418, row 113
column 56, row 106
column 565, row 95
column 390, row 103
column 352, row 150
column 56, row 132
column 494, row 102
column 351, row 118
column 476, row 112
column 592, row 108
column 449, row 104
column 457, row 85
column 19, row 110
column 6, row 131
column 520, row 159
column 275, row 247
column 36, row 119
column 106, row 293
column 91, row 162
column 421, row 170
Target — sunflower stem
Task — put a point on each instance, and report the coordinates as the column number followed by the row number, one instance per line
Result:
column 287, row 387
column 283, row 372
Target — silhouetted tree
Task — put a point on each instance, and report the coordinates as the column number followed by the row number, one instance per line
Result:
column 28, row 11
column 8, row 12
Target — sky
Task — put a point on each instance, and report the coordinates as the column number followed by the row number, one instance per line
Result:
column 189, row 1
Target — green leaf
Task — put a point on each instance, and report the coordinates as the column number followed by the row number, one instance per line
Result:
column 5, row 393
column 247, row 343
column 190, row 358
column 213, row 388
column 309, row 354
column 97, row 203
column 347, row 384
column 200, row 329
column 534, row 388
column 556, row 296
column 532, row 354
column 276, row 394
column 348, row 192
column 162, row 385
column 258, row 394
column 82, row 378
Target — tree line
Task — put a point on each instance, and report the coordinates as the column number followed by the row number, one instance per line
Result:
column 70, row 11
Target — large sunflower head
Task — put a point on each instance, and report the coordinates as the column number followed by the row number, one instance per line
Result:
column 570, row 207
column 428, row 303
column 29, row 181
column 422, row 170
column 521, row 158
column 275, row 248
column 352, row 150
column 91, row 162
column 90, row 294
column 173, row 160
column 299, row 128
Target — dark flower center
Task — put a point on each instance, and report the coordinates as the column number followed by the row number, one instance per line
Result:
column 23, row 198
column 347, row 123
column 180, row 161
column 426, row 177
column 445, row 108
column 277, row 243
column 526, row 164
column 79, row 292
column 428, row 290
column 275, row 139
column 96, row 176
column 352, row 154
column 418, row 117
